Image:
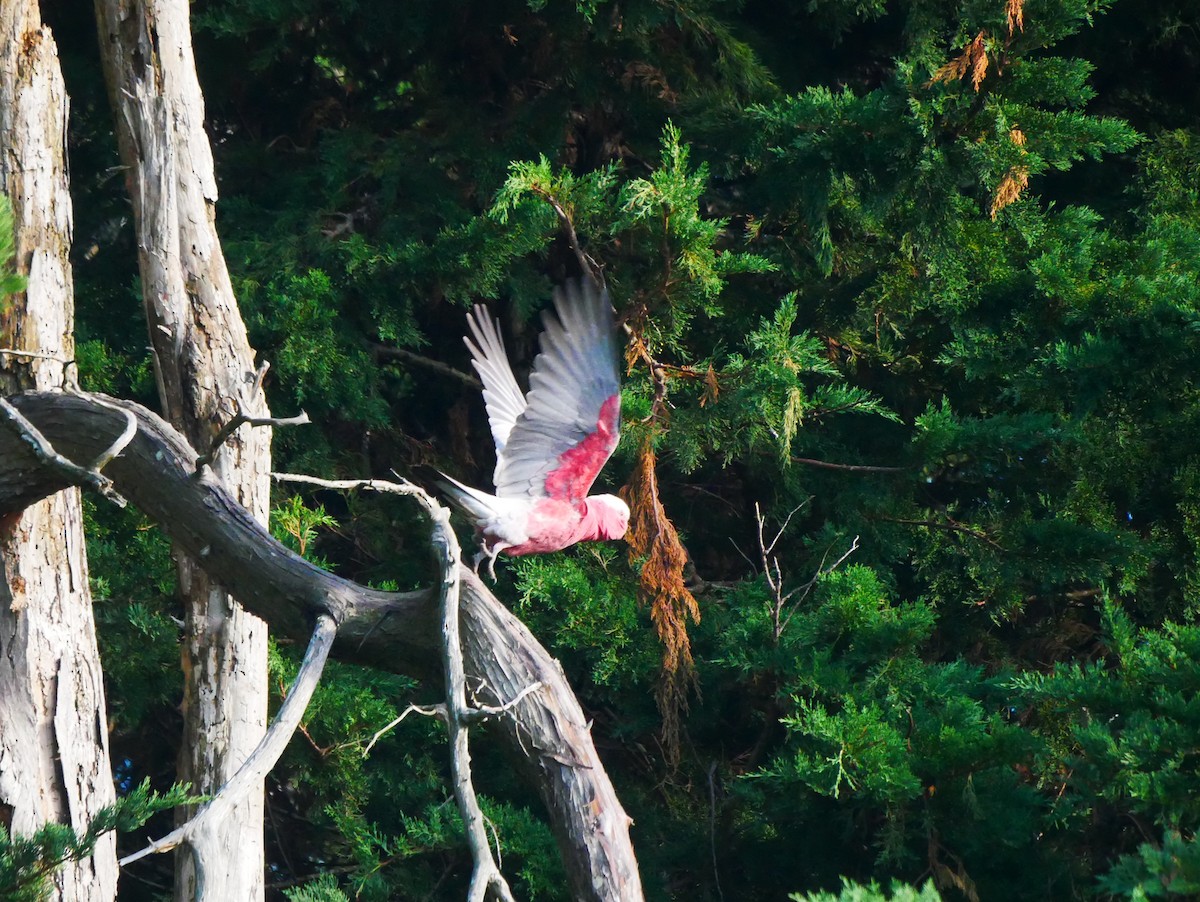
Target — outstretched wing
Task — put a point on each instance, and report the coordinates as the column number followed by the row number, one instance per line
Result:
column 568, row 428
column 501, row 394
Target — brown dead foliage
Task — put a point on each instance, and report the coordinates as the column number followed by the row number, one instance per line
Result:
column 712, row 388
column 973, row 60
column 653, row 537
column 1015, row 9
column 651, row 78
column 1015, row 181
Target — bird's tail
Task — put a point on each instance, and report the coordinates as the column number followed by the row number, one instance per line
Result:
column 477, row 504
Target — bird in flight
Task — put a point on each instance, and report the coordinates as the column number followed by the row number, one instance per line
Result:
column 552, row 442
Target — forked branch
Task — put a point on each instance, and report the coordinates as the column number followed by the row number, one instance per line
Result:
column 784, row 604
column 72, row 472
column 541, row 721
column 237, row 422
column 456, row 713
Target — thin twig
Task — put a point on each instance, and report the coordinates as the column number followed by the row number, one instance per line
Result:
column 259, row 377
column 237, row 422
column 436, row 365
column 425, row 710
column 122, row 440
column 847, row 468
column 712, row 828
column 40, row 355
column 201, row 825
column 483, row 712
column 773, row 573
column 745, row 557
column 373, row 485
column 586, row 263
column 822, row 571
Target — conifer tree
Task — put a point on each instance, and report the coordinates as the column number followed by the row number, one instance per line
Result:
column 911, row 296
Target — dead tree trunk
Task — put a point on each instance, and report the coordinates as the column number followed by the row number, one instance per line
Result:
column 205, row 370
column 53, row 729
column 544, row 729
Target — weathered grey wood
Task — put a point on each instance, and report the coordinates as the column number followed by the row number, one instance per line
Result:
column 53, row 732
column 206, row 375
column 546, row 730
column 254, row 769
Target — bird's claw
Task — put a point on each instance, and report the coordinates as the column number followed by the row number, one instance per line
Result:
column 491, row 554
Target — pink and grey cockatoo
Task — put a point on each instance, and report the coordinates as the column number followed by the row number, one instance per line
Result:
column 551, row 443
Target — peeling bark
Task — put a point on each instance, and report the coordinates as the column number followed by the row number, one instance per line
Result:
column 53, row 729
column 545, row 730
column 205, row 370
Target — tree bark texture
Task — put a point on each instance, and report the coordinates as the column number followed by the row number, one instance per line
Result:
column 53, row 728
column 399, row 632
column 205, row 370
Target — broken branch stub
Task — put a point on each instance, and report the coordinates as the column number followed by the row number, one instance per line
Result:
column 546, row 729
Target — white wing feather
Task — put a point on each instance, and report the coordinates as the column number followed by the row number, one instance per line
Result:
column 573, row 376
column 501, row 394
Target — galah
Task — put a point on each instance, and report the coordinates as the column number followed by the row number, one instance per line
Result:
column 552, row 442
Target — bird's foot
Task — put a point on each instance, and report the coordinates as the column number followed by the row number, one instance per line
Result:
column 491, row 554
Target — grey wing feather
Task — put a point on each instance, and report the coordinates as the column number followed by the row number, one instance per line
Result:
column 574, row 374
column 501, row 394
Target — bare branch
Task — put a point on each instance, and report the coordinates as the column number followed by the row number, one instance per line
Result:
column 786, row 521
column 260, row 376
column 436, row 365
column 372, row 485
column 486, row 873
column 546, row 730
column 773, row 573
column 238, row 421
column 745, row 557
column 44, row 451
column 457, row 714
column 424, row 710
column 261, row 760
column 712, row 828
column 122, row 440
column 38, row 355
column 847, row 468
column 482, row 712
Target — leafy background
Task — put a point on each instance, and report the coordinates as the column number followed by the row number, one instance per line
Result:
column 915, row 283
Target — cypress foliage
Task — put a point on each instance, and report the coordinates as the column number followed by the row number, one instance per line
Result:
column 911, row 285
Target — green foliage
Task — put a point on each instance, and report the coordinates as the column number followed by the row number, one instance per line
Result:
column 1166, row 871
column 855, row 892
column 28, row 863
column 588, row 603
column 913, row 279
column 1123, row 729
column 296, row 526
column 322, row 889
